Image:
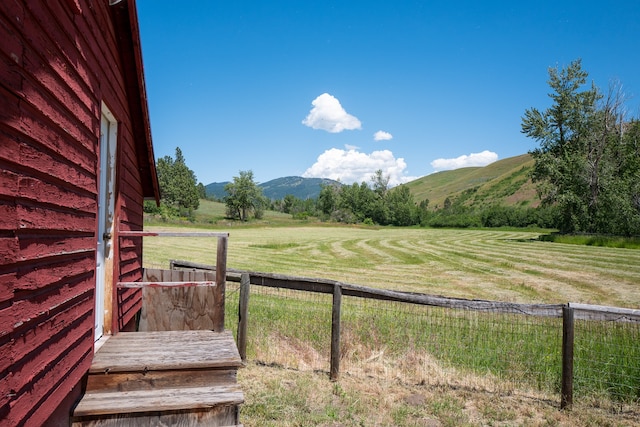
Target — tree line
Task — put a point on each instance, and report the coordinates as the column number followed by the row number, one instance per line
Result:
column 587, row 171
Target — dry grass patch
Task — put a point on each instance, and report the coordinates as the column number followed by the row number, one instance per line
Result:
column 276, row 396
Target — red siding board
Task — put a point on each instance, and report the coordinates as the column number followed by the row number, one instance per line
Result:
column 8, row 216
column 48, row 65
column 13, row 11
column 42, row 218
column 59, row 95
column 75, row 130
column 8, row 181
column 7, row 281
column 7, row 320
column 8, row 251
column 76, row 370
column 60, row 170
column 27, row 344
column 5, row 398
column 129, row 303
column 41, row 275
column 36, row 246
column 129, row 255
column 10, row 57
column 76, row 52
column 67, row 57
column 10, row 111
column 46, row 193
column 131, row 268
column 42, row 132
column 104, row 62
column 68, row 353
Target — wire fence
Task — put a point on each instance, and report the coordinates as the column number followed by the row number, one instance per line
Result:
column 425, row 344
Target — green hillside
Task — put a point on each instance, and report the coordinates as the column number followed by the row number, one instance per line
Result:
column 504, row 182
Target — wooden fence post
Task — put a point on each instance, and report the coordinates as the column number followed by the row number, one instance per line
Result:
column 243, row 315
column 221, row 277
column 566, row 398
column 334, row 371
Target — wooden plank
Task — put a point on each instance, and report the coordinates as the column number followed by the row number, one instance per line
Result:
column 163, row 284
column 127, row 233
column 243, row 315
column 178, row 308
column 605, row 313
column 334, row 370
column 168, row 350
column 129, row 381
column 326, row 286
column 568, row 332
column 158, row 400
column 222, row 416
column 219, row 291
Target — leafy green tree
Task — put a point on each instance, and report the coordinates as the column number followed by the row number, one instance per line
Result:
column 379, row 209
column 328, row 199
column 244, row 197
column 178, row 190
column 288, row 202
column 401, row 206
column 584, row 165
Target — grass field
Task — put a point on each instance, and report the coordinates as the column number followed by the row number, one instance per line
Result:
column 497, row 265
column 286, row 382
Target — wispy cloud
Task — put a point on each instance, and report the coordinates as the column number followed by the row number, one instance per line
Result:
column 327, row 114
column 382, row 136
column 474, row 159
column 351, row 166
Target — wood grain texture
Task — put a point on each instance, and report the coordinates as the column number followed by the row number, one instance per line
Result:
column 167, row 350
column 177, row 308
column 225, row 416
column 159, row 400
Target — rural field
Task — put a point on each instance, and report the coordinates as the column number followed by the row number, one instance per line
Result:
column 286, row 378
column 498, row 265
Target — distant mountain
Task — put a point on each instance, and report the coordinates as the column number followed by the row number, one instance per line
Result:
column 505, row 182
column 302, row 188
column 216, row 189
column 276, row 189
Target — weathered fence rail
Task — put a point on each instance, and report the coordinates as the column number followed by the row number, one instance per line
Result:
column 326, row 286
column 569, row 312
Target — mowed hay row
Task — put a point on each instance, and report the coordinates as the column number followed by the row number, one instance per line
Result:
column 487, row 264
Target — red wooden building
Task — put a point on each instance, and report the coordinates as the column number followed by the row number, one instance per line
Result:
column 76, row 162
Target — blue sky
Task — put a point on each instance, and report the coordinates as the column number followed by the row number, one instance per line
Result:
column 340, row 89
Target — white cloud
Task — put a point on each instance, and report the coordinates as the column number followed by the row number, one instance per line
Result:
column 351, row 147
column 327, row 114
column 473, row 159
column 351, row 166
column 382, row 136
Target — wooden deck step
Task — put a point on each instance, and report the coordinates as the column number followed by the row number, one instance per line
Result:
column 148, row 360
column 163, row 378
column 101, row 403
column 167, row 350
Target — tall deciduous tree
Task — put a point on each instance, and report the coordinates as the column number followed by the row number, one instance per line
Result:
column 584, row 164
column 244, row 197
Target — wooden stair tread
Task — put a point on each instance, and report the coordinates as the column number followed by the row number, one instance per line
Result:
column 174, row 399
column 166, row 350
